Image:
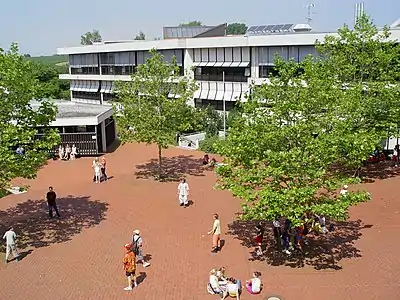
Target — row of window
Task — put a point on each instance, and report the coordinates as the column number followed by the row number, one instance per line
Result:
column 222, row 74
column 86, row 95
column 110, row 70
column 216, row 104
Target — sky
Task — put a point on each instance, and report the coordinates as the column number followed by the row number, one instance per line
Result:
column 42, row 26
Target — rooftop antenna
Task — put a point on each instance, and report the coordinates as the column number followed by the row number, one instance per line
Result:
column 358, row 11
column 310, row 13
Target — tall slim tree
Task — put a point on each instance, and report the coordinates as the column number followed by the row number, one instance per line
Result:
column 19, row 121
column 236, row 29
column 154, row 104
column 91, row 37
column 291, row 149
column 140, row 36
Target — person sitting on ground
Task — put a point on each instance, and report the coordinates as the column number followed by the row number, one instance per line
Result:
column 74, row 152
column 213, row 286
column 206, row 160
column 221, row 274
column 61, row 152
column 212, row 163
column 233, row 288
column 254, row 285
column 67, row 152
column 344, row 191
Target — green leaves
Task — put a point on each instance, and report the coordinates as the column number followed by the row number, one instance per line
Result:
column 298, row 138
column 19, row 121
column 155, row 103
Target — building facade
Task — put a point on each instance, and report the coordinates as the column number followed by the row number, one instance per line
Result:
column 223, row 66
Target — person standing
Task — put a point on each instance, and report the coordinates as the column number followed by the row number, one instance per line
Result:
column 51, row 197
column 216, row 233
column 183, row 193
column 130, row 267
column 103, row 164
column 97, row 170
column 10, row 238
column 277, row 232
column 259, row 238
column 137, row 245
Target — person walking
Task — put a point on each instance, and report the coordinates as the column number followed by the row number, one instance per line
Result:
column 216, row 233
column 183, row 193
column 137, row 246
column 277, row 232
column 51, row 197
column 10, row 238
column 103, row 164
column 130, row 267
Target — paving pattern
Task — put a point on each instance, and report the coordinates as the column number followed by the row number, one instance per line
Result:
column 79, row 256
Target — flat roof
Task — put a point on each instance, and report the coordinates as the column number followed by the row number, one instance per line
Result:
column 70, row 113
column 273, row 39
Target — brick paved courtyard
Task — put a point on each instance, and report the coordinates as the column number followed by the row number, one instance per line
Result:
column 79, row 256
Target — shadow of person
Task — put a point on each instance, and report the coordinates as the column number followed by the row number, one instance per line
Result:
column 34, row 229
column 141, row 277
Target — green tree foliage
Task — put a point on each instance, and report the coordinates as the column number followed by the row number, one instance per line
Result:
column 212, row 121
column 140, row 36
column 236, row 29
column 192, row 23
column 91, row 37
column 50, row 86
column 18, row 120
column 149, row 114
column 289, row 151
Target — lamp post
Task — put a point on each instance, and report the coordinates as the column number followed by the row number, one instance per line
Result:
column 223, row 103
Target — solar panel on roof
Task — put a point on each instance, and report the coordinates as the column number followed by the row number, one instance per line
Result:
column 287, row 26
column 252, row 28
column 260, row 28
column 269, row 27
column 278, row 27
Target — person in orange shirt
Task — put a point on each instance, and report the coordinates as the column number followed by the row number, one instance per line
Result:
column 130, row 267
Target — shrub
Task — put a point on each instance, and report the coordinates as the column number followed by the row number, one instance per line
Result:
column 209, row 144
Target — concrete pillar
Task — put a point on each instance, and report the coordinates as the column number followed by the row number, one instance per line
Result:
column 103, row 136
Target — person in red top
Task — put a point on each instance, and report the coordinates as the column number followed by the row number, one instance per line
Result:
column 130, row 267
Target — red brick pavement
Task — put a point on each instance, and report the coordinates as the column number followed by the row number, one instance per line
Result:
column 79, row 257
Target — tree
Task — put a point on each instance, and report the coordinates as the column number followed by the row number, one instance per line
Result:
column 140, row 37
column 236, row 29
column 300, row 137
column 50, row 86
column 19, row 122
column 149, row 114
column 192, row 23
column 91, row 37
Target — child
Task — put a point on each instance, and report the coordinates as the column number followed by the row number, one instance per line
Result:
column 253, row 286
column 130, row 267
column 259, row 238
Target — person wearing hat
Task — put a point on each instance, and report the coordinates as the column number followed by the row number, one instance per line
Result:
column 137, row 244
column 130, row 267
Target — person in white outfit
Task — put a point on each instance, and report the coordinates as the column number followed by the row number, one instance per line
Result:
column 183, row 193
column 97, row 170
column 344, row 190
column 10, row 237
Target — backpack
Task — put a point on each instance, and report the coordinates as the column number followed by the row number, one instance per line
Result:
column 135, row 245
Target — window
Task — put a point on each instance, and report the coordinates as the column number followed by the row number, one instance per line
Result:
column 217, row 74
column 267, row 71
column 85, row 70
column 86, row 95
column 124, row 70
column 109, row 97
column 216, row 104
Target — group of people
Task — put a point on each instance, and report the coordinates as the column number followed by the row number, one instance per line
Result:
column 133, row 256
column 99, row 168
column 224, row 286
column 207, row 162
column 67, row 153
column 289, row 237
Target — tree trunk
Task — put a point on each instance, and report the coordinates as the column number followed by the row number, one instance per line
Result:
column 159, row 162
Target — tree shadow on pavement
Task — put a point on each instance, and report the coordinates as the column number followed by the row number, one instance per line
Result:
column 382, row 170
column 174, row 168
column 322, row 252
column 34, row 229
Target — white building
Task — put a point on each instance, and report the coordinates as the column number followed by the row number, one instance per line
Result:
column 224, row 65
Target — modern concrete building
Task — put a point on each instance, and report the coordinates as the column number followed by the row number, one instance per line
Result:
column 90, row 127
column 224, row 66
